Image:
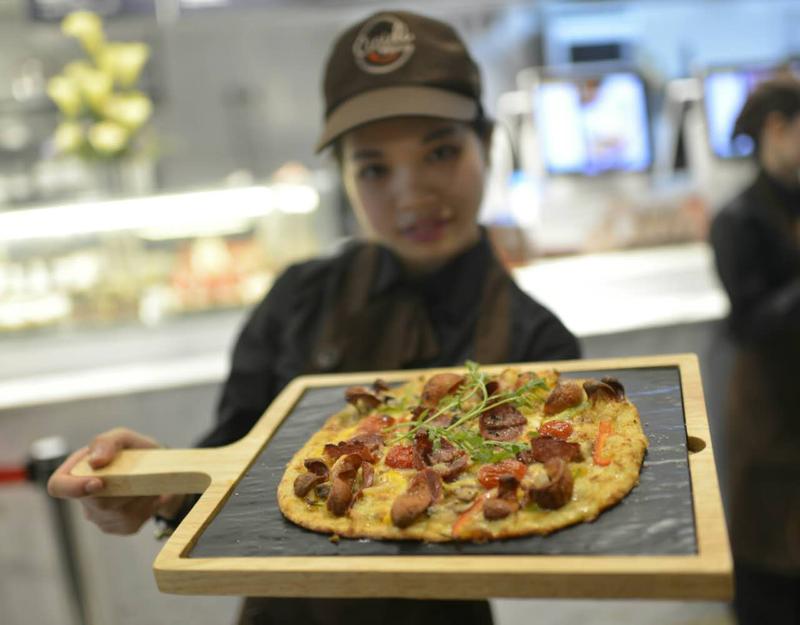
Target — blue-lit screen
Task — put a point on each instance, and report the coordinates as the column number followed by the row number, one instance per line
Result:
column 725, row 92
column 593, row 125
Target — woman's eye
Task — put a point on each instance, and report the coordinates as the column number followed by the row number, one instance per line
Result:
column 372, row 172
column 444, row 152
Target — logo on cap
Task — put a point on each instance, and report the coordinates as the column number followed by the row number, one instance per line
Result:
column 383, row 45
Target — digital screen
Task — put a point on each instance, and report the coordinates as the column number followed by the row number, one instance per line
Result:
column 594, row 125
column 725, row 92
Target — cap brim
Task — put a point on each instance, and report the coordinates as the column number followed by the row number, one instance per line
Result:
column 379, row 104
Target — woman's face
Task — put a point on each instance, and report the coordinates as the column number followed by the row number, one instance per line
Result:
column 416, row 185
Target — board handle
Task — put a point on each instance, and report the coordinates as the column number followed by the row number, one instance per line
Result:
column 140, row 472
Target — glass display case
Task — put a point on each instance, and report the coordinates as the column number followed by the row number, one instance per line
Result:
column 145, row 259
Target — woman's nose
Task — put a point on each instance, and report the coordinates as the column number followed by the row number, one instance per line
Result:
column 412, row 188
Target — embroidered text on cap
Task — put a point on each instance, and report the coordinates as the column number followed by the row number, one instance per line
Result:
column 383, row 45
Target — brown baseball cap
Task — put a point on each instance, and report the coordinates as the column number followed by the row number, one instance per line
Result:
column 395, row 64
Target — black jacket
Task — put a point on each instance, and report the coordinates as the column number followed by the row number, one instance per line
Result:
column 279, row 340
column 758, row 258
column 757, row 247
column 327, row 314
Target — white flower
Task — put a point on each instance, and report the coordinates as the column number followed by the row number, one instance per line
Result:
column 131, row 110
column 123, row 61
column 108, row 138
column 64, row 91
column 86, row 27
column 68, row 137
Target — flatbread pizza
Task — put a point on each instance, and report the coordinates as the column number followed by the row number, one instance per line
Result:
column 467, row 457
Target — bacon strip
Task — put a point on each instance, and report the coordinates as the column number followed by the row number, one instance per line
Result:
column 345, row 448
column 423, row 446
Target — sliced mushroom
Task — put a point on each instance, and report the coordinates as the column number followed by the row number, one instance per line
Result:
column 564, row 395
column 438, row 386
column 598, row 390
column 559, row 489
column 506, row 501
column 380, row 386
column 616, row 385
column 449, row 471
column 322, row 490
column 317, row 466
column 424, row 489
column 304, row 482
column 317, row 473
column 343, row 476
column 362, row 398
column 466, row 493
column 367, row 475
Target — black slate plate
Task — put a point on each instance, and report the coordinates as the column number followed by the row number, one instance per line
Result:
column 656, row 518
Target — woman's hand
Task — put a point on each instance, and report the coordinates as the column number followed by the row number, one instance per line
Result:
column 113, row 515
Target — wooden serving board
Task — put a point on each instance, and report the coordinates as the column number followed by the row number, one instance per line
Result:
column 666, row 540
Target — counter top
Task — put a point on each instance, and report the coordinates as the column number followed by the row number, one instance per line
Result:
column 619, row 291
column 594, row 294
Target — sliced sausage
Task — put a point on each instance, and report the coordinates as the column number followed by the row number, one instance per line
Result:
column 544, row 448
column 502, row 423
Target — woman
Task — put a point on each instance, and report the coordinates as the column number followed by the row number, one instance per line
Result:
column 756, row 240
column 405, row 122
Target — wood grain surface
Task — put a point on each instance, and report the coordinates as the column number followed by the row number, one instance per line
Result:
column 698, row 567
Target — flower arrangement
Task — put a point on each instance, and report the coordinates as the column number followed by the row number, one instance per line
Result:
column 103, row 114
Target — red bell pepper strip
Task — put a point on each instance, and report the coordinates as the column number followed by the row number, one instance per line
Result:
column 458, row 526
column 597, row 454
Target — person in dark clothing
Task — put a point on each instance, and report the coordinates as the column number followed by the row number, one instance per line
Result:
column 422, row 289
column 756, row 241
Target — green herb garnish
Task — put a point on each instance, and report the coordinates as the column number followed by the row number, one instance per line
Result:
column 459, row 433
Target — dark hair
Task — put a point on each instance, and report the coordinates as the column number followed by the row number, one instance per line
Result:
column 482, row 126
column 777, row 95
